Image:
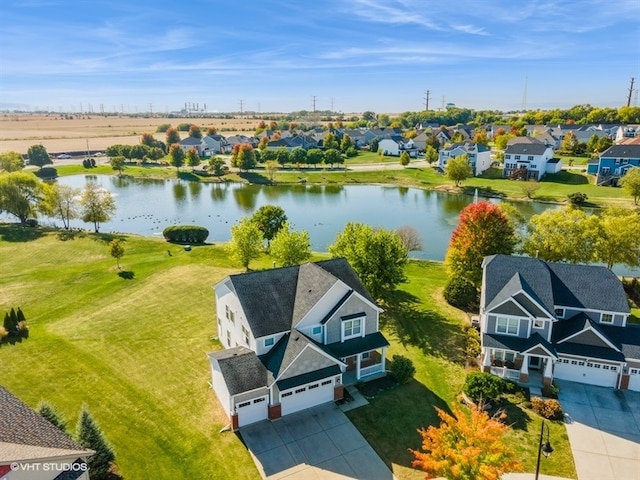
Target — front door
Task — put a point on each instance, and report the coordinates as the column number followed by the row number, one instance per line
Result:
column 534, row 363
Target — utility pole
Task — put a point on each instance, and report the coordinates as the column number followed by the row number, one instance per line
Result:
column 314, row 104
column 630, row 92
column 241, row 108
column 427, row 97
column 524, row 95
column 331, row 104
column 150, row 108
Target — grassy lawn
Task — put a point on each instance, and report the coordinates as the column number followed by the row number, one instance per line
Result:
column 365, row 158
column 133, row 350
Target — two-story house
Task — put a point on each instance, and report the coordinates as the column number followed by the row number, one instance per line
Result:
column 293, row 337
column 479, row 156
column 527, row 158
column 614, row 163
column 556, row 320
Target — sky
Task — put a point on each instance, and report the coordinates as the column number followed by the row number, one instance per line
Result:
column 347, row 56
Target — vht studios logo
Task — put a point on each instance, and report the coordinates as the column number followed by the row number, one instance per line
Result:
column 49, row 467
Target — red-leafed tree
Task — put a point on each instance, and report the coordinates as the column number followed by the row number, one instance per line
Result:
column 484, row 229
column 243, row 156
column 466, row 447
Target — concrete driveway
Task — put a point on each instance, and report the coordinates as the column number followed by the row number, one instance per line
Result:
column 318, row 443
column 604, row 430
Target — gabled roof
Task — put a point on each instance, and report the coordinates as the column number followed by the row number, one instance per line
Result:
column 622, row 151
column 191, row 141
column 241, row 369
column 570, row 330
column 551, row 284
column 273, row 300
column 526, row 149
column 25, row 434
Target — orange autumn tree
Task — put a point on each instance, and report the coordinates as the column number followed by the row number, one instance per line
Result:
column 465, row 447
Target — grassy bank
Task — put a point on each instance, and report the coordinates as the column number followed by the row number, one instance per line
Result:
column 554, row 188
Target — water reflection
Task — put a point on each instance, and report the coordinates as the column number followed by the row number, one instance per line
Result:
column 179, row 191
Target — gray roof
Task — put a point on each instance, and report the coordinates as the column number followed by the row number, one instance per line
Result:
column 273, row 300
column 569, row 285
column 241, row 369
column 21, row 425
column 191, row 141
column 526, row 149
column 622, row 151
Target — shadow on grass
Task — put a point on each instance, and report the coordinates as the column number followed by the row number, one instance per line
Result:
column 65, row 235
column 254, row 177
column 15, row 232
column 516, row 417
column 108, row 237
column 430, row 331
column 391, row 421
column 188, row 176
column 126, row 274
column 566, row 177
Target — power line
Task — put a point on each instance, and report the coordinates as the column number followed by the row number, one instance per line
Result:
column 630, row 91
column 427, row 97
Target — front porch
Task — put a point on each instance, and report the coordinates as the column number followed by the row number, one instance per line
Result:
column 525, row 369
column 365, row 366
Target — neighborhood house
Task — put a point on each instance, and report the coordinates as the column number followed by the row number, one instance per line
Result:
column 543, row 320
column 293, row 337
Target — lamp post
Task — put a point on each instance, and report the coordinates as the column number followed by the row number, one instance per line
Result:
column 545, row 448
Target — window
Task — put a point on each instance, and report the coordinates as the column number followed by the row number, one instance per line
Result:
column 243, row 404
column 508, row 156
column 504, row 355
column 245, row 332
column 507, row 325
column 316, row 385
column 258, row 400
column 269, row 341
column 352, row 328
column 326, row 382
column 559, row 312
column 316, row 330
column 517, row 157
column 286, row 394
column 300, row 390
column 533, row 167
column 228, row 338
column 537, row 323
column 605, row 367
column 530, row 158
column 606, row 318
column 366, row 356
column 219, row 321
column 229, row 313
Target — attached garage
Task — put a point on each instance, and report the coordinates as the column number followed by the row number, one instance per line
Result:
column 252, row 410
column 306, row 396
column 634, row 379
column 587, row 371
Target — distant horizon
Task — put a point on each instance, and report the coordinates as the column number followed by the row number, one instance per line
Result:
column 344, row 57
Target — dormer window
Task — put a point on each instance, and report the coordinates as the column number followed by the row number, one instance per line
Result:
column 316, row 330
column 508, row 326
column 606, row 318
column 352, row 327
column 268, row 342
column 559, row 312
column 538, row 323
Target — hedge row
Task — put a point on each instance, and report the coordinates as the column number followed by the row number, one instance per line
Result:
column 185, row 234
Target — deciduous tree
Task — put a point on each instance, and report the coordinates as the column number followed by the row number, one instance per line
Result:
column 61, row 201
column 269, row 219
column 483, row 229
column 563, row 235
column 631, row 183
column 38, row 156
column 271, row 167
column 246, row 242
column 20, row 194
column 315, row 156
column 243, row 156
column 90, row 435
column 11, row 162
column 298, row 156
column 195, row 132
column 118, row 163
column 332, row 157
column 466, row 447
column 290, row 247
column 176, row 156
column 116, row 250
column 330, row 141
column 97, row 205
column 377, row 255
column 410, row 238
column 217, row 166
column 172, row 136
column 192, row 158
column 346, row 143
column 404, row 159
column 619, row 237
column 431, row 154
column 458, row 169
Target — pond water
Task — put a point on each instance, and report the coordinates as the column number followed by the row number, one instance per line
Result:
column 146, row 207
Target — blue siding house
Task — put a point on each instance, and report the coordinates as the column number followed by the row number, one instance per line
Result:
column 614, row 163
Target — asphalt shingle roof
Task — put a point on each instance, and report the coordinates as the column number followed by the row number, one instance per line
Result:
column 22, row 426
column 622, row 151
column 526, row 149
column 241, row 369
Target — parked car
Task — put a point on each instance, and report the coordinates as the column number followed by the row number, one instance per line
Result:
column 63, row 156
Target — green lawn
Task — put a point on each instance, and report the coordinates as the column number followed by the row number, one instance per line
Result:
column 133, row 350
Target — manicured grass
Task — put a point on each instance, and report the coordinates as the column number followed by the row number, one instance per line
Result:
column 133, row 350
column 365, row 158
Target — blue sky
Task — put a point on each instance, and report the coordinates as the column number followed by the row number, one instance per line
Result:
column 352, row 55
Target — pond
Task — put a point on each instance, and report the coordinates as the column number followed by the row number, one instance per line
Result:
column 146, row 207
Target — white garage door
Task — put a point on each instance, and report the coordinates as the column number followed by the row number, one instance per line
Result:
column 252, row 411
column 592, row 373
column 306, row 396
column 634, row 379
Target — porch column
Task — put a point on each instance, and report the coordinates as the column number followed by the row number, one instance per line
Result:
column 548, row 372
column 486, row 362
column 384, row 358
column 524, row 369
column 358, row 357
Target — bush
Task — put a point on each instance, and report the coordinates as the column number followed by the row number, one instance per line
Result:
column 549, row 409
column 461, row 293
column 185, row 234
column 402, row 369
column 577, row 198
column 484, row 386
column 473, row 343
column 47, row 172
